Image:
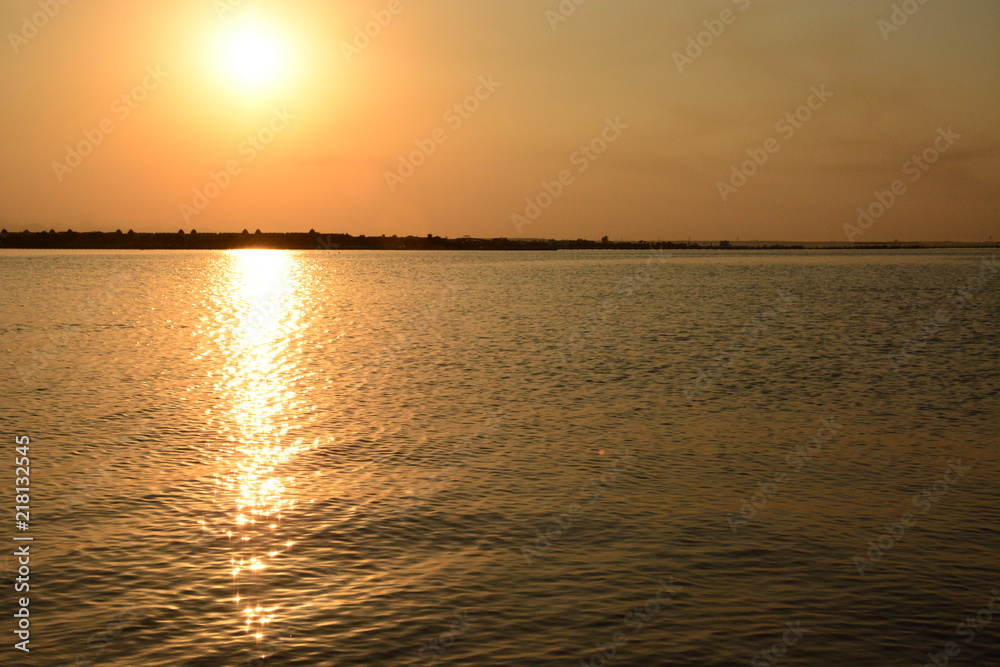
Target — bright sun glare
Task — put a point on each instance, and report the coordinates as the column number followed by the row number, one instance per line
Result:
column 255, row 56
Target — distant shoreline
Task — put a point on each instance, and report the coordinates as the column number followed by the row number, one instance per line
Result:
column 312, row 240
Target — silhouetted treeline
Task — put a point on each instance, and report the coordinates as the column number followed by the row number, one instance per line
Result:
column 304, row 241
column 313, row 240
column 228, row 241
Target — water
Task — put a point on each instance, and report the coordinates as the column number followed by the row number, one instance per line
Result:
column 377, row 458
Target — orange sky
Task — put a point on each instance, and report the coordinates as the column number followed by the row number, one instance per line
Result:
column 504, row 118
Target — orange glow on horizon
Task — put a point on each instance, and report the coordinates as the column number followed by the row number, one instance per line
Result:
column 365, row 87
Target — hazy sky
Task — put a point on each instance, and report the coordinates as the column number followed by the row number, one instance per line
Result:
column 115, row 112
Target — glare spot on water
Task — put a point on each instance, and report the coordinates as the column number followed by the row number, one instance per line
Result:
column 258, row 317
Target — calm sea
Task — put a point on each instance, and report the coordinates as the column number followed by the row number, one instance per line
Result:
column 572, row 458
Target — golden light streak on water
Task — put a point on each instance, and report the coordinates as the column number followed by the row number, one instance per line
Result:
column 261, row 294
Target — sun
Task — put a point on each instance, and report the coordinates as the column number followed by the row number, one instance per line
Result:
column 254, row 56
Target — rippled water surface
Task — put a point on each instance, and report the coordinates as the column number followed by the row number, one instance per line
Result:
column 573, row 458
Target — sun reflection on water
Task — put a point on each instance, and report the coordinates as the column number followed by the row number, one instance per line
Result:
column 261, row 314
